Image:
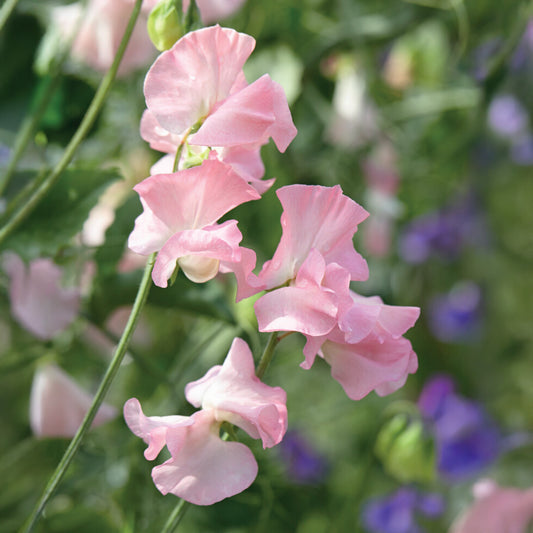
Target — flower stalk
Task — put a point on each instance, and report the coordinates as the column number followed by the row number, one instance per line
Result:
column 140, row 300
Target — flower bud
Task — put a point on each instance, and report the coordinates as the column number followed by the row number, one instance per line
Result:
column 406, row 450
column 165, row 24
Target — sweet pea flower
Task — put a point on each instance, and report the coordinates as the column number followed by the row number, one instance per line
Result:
column 38, row 302
column 320, row 218
column 497, row 510
column 397, row 512
column 237, row 395
column 367, row 350
column 244, row 159
column 58, row 405
column 204, row 469
column 467, row 439
column 179, row 221
column 100, row 32
column 197, row 89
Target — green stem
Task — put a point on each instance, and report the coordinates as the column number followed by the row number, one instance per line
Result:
column 266, row 358
column 140, row 300
column 6, row 10
column 79, row 136
column 175, row 517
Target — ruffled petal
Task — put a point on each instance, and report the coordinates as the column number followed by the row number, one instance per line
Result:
column 151, row 429
column 186, row 82
column 237, row 395
column 365, row 366
column 315, row 217
column 218, row 242
column 204, row 469
column 251, row 115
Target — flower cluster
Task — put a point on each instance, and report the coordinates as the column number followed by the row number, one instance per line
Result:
column 310, row 273
column 212, row 123
column 203, row 468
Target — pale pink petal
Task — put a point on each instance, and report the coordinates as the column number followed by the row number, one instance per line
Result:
column 38, row 301
column 186, row 82
column 311, row 311
column 248, row 283
column 367, row 365
column 251, row 115
column 58, row 405
column 306, row 306
column 195, row 197
column 151, row 429
column 158, row 137
column 203, row 468
column 237, row 395
column 247, row 163
column 497, row 510
column 188, row 199
column 368, row 314
column 315, row 217
column 218, row 243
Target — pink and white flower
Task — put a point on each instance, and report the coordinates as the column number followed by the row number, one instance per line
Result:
column 196, row 92
column 320, row 218
column 179, row 221
column 38, row 301
column 204, row 469
column 309, row 278
column 58, row 405
column 237, row 395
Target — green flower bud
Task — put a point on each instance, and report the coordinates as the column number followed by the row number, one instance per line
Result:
column 406, row 450
column 165, row 24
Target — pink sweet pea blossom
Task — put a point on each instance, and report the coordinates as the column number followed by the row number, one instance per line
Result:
column 100, row 32
column 315, row 217
column 179, row 221
column 244, row 159
column 58, row 405
column 204, row 469
column 366, row 351
column 198, row 85
column 238, row 396
column 38, row 302
column 497, row 510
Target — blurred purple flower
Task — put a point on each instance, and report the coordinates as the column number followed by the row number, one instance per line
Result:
column 444, row 233
column 507, row 116
column 467, row 439
column 302, row 464
column 457, row 315
column 397, row 512
column 522, row 150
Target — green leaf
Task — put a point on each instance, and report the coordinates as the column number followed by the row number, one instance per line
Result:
column 61, row 215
